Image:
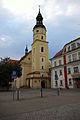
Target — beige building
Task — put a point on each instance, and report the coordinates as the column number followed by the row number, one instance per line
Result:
column 35, row 64
column 65, row 66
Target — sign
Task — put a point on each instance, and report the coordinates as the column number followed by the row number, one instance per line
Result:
column 14, row 74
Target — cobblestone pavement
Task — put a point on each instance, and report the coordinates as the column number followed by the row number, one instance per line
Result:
column 32, row 107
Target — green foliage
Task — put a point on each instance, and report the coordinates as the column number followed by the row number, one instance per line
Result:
column 6, row 69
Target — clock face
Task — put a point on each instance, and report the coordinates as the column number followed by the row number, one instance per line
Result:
column 42, row 31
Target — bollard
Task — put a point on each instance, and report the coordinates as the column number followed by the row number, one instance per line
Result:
column 17, row 94
column 13, row 94
column 41, row 92
column 58, row 91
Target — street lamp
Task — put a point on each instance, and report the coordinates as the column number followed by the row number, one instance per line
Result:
column 56, row 78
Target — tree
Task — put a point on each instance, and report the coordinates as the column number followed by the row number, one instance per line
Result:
column 6, row 69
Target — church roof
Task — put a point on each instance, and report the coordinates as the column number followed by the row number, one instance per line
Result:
column 25, row 56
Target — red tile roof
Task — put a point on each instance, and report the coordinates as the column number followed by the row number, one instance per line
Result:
column 58, row 54
column 13, row 61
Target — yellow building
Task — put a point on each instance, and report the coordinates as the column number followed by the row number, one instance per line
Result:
column 35, row 64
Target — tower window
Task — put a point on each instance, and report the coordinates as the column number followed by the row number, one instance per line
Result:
column 42, row 49
column 28, row 58
column 42, row 67
column 41, row 37
column 37, row 30
column 42, row 59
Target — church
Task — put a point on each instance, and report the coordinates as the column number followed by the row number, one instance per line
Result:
column 35, row 63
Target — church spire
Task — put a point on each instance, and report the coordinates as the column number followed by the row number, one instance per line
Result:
column 26, row 50
column 39, row 18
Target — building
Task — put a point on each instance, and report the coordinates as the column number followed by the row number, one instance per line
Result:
column 65, row 66
column 35, row 63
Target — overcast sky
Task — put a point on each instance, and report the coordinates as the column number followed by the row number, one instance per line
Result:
column 18, row 17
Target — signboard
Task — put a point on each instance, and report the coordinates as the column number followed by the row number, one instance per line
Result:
column 14, row 74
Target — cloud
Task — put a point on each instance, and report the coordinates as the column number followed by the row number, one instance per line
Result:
column 5, row 40
column 17, row 18
column 23, row 8
column 52, row 9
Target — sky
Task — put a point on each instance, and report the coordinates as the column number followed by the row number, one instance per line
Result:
column 18, row 17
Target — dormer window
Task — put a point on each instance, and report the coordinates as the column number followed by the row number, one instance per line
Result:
column 68, row 48
column 73, row 46
column 78, row 44
column 54, row 63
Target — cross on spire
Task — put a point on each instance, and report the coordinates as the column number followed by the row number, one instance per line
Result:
column 39, row 8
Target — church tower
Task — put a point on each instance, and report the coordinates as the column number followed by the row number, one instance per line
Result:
column 40, row 56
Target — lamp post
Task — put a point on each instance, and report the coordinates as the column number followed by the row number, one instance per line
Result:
column 56, row 78
column 41, row 92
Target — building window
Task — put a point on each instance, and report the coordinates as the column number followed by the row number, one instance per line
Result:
column 54, row 63
column 76, row 70
column 68, row 48
column 56, row 76
column 61, row 83
column 69, row 71
column 35, row 81
column 55, row 72
column 69, row 57
column 42, row 49
column 79, row 55
column 41, row 37
column 60, row 62
column 73, row 46
column 42, row 67
column 56, row 83
column 60, row 72
column 78, row 44
column 42, row 59
column 74, row 56
column 70, row 83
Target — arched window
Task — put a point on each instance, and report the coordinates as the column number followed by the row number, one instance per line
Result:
column 42, row 59
column 42, row 67
column 41, row 37
column 42, row 49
